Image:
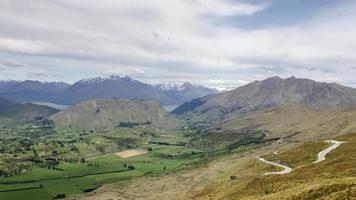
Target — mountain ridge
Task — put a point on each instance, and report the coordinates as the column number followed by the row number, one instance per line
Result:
column 30, row 90
column 116, row 87
column 271, row 92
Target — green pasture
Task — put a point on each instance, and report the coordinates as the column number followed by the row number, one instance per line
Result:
column 74, row 178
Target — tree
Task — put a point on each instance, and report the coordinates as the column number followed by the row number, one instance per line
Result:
column 35, row 154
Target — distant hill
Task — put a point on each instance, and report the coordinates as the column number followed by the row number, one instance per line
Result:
column 6, row 104
column 13, row 113
column 116, row 87
column 28, row 91
column 27, row 112
column 269, row 93
column 112, row 113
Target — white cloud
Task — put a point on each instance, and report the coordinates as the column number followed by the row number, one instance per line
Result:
column 160, row 40
column 16, row 70
column 18, row 45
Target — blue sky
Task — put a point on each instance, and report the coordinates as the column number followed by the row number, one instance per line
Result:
column 281, row 13
column 218, row 43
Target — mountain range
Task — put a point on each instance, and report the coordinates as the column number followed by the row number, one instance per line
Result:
column 269, row 93
column 29, row 91
column 113, row 87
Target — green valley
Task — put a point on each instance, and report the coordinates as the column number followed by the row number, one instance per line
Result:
column 63, row 162
column 133, row 149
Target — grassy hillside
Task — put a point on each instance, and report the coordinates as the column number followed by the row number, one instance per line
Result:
column 16, row 113
column 297, row 122
column 241, row 176
column 98, row 114
column 334, row 178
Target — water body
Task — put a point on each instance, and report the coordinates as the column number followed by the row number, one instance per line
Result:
column 170, row 108
column 53, row 105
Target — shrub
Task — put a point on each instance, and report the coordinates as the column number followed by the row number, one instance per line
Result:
column 60, row 196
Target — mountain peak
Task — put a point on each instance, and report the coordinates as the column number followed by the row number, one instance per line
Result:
column 114, row 77
column 187, row 85
column 272, row 79
column 101, row 79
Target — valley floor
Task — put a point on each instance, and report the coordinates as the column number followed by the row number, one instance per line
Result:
column 180, row 185
column 241, row 176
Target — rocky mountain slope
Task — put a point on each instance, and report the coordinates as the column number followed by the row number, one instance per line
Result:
column 112, row 113
column 269, row 93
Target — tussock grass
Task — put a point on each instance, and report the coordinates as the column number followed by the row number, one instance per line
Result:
column 334, row 178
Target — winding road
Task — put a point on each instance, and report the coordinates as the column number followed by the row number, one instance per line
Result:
column 321, row 157
column 322, row 154
column 285, row 171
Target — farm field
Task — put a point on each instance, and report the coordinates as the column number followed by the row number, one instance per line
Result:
column 62, row 163
column 131, row 153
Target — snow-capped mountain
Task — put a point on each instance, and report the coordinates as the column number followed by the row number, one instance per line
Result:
column 184, row 92
column 101, row 79
column 175, row 86
column 113, row 87
column 116, row 87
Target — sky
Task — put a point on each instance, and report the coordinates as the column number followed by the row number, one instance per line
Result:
column 216, row 43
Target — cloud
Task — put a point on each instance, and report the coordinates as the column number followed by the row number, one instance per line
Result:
column 161, row 40
column 16, row 70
